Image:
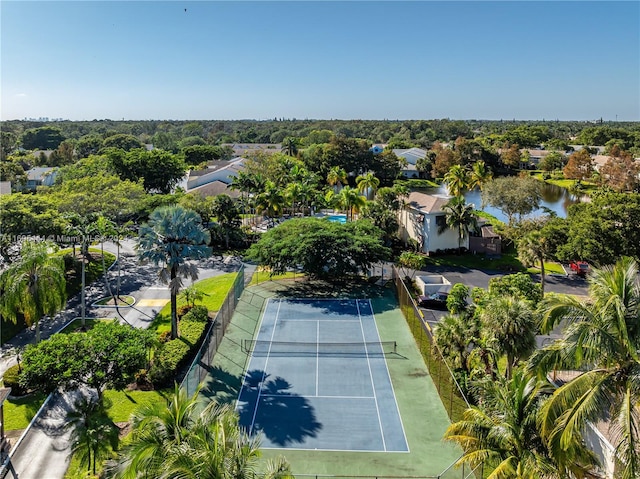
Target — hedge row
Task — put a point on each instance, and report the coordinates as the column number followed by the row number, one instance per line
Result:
column 171, row 356
column 11, row 380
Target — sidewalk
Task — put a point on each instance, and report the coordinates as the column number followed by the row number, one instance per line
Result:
column 44, row 452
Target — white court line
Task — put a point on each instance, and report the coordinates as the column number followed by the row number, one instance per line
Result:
column 331, row 450
column 320, row 320
column 246, row 373
column 393, row 390
column 317, row 356
column 264, row 373
column 384, row 445
column 322, row 397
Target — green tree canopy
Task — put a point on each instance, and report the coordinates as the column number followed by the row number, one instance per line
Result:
column 159, row 170
column 604, row 229
column 34, row 285
column 45, row 138
column 513, row 195
column 122, row 142
column 109, row 354
column 321, row 248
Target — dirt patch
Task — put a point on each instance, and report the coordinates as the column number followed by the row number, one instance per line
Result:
column 124, row 428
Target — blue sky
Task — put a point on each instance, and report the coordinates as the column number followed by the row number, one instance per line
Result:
column 84, row 60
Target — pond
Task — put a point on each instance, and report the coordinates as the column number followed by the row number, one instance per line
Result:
column 555, row 198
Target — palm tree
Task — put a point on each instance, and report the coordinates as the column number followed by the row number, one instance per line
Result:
column 479, row 175
column 351, row 201
column 172, row 236
column 271, row 201
column 224, row 208
column 175, row 440
column 534, row 248
column 290, row 146
column 34, row 285
column 452, row 335
column 457, row 180
column 513, row 325
column 502, row 434
column 293, row 193
column 93, row 434
column 105, row 228
column 336, row 177
column 460, row 216
column 602, row 335
column 82, row 227
column 242, row 183
column 368, row 183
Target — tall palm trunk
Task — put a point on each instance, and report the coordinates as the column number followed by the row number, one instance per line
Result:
column 83, row 298
column 104, row 271
column 34, row 293
column 542, row 273
column 174, row 304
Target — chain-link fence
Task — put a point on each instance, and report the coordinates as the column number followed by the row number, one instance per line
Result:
column 202, row 362
column 450, row 393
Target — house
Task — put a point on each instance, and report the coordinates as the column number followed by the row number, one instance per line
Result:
column 537, row 155
column 420, row 219
column 215, row 179
column 5, row 187
column 411, row 156
column 40, row 176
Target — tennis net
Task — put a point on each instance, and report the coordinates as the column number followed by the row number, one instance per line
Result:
column 297, row 348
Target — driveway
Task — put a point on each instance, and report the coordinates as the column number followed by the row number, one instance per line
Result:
column 571, row 284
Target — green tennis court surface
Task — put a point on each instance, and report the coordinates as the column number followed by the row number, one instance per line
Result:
column 318, row 379
column 423, row 415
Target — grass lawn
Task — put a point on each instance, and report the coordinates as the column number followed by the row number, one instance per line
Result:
column 506, row 262
column 568, row 184
column 260, row 276
column 120, row 404
column 215, row 290
column 549, row 268
column 19, row 412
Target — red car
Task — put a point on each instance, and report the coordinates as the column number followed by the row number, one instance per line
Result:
column 581, row 268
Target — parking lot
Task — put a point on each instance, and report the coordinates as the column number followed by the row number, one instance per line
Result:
column 569, row 284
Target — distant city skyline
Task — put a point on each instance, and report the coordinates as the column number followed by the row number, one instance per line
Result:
column 215, row 60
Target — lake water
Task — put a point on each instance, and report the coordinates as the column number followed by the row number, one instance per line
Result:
column 554, row 198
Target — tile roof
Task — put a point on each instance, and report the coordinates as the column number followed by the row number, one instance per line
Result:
column 427, row 203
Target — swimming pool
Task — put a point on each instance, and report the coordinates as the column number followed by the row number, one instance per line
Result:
column 337, row 218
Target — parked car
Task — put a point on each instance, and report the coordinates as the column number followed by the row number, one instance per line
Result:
column 581, row 268
column 435, row 301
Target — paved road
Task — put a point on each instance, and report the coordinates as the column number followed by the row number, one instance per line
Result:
column 44, row 452
column 571, row 284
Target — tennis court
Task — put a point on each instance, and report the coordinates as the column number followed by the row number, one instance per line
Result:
column 318, row 379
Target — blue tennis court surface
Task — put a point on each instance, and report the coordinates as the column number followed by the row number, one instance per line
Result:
column 318, row 379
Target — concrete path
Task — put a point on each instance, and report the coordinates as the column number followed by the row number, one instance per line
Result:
column 44, row 451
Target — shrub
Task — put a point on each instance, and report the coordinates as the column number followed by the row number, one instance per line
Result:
column 182, row 310
column 164, row 337
column 197, row 313
column 11, row 380
column 175, row 354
